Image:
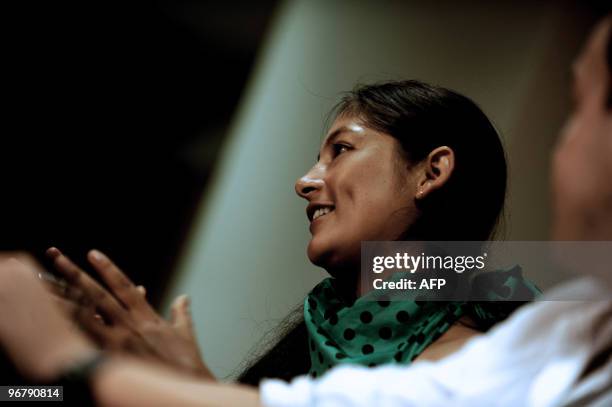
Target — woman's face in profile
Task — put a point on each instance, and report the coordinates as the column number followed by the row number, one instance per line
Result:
column 581, row 166
column 361, row 188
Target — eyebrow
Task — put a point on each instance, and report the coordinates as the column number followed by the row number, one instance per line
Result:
column 334, row 135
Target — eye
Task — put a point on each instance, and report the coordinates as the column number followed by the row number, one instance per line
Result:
column 340, row 148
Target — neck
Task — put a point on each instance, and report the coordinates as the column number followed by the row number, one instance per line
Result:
column 351, row 286
column 348, row 282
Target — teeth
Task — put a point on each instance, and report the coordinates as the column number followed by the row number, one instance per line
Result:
column 320, row 212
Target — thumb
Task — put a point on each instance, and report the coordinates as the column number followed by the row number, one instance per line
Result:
column 181, row 314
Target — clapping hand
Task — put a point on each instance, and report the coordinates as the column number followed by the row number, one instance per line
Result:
column 120, row 318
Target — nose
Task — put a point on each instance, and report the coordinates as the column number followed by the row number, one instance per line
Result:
column 309, row 184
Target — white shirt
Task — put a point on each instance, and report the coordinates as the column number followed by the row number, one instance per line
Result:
column 535, row 358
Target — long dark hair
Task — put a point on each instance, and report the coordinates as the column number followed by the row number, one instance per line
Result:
column 468, row 207
column 422, row 117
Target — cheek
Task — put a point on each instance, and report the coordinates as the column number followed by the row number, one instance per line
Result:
column 568, row 184
column 567, row 166
column 578, row 173
column 363, row 188
column 376, row 209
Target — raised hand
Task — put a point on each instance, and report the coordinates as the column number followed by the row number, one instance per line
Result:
column 120, row 318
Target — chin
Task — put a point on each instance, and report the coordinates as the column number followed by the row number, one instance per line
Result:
column 331, row 258
column 318, row 254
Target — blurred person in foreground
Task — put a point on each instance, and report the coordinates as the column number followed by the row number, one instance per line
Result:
column 549, row 353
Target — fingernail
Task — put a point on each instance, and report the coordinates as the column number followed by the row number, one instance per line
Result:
column 53, row 253
column 96, row 255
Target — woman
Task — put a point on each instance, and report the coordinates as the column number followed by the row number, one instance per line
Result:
column 401, row 161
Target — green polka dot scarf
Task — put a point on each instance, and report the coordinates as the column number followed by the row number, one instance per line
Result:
column 371, row 333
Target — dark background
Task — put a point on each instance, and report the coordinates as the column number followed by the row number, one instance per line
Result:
column 114, row 114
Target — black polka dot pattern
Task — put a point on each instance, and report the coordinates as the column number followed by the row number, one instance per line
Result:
column 385, row 333
column 366, row 317
column 372, row 332
column 367, row 349
column 402, row 317
column 349, row 334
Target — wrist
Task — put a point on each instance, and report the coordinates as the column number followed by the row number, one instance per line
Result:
column 78, row 379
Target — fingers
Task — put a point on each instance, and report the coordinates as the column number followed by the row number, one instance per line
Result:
column 142, row 290
column 120, row 285
column 90, row 289
column 68, row 307
column 66, row 267
column 181, row 315
column 94, row 325
column 66, row 292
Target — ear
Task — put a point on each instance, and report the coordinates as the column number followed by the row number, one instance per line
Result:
column 437, row 169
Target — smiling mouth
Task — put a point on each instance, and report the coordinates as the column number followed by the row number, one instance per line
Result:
column 319, row 213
